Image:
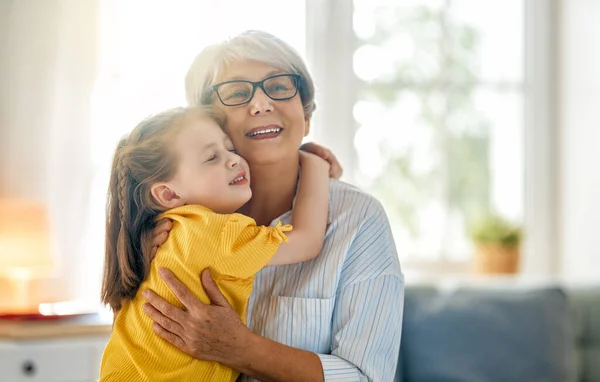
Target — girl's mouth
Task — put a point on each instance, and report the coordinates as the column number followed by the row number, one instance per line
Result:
column 239, row 179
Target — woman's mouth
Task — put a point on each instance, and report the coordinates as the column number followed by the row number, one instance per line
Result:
column 265, row 132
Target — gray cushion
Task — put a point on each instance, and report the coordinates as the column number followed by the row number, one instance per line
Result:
column 585, row 304
column 486, row 335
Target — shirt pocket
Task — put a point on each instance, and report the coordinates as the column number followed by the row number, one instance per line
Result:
column 303, row 323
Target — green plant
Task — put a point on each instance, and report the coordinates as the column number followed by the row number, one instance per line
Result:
column 494, row 229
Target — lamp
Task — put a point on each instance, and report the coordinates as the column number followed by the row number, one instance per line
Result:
column 25, row 249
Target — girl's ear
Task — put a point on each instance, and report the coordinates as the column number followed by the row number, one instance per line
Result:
column 165, row 195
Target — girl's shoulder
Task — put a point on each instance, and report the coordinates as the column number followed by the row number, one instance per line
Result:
column 197, row 216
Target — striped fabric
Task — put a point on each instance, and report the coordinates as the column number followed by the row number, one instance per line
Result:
column 346, row 304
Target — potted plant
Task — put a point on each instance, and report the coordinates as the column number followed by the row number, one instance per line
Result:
column 497, row 241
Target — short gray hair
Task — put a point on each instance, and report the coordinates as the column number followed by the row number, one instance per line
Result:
column 250, row 45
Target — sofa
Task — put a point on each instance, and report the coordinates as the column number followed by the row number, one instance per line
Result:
column 500, row 331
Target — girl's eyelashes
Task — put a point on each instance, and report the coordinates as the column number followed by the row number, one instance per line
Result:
column 214, row 157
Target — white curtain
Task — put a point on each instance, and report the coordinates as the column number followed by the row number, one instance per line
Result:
column 48, row 59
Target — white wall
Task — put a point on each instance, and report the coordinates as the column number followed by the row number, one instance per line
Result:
column 579, row 138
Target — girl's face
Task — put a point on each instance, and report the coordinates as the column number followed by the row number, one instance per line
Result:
column 262, row 114
column 209, row 172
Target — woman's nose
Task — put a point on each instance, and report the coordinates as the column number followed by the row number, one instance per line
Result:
column 260, row 103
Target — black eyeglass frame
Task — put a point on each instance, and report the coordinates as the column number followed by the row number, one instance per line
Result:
column 259, row 84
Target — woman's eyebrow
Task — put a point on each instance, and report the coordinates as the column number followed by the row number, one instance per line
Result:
column 243, row 78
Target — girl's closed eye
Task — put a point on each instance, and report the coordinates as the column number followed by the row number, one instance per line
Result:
column 212, row 158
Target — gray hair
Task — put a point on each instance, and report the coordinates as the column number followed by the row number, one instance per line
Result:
column 250, row 45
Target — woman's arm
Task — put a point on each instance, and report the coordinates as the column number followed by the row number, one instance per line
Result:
column 216, row 333
column 310, row 214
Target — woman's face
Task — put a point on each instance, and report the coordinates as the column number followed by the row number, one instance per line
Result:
column 283, row 121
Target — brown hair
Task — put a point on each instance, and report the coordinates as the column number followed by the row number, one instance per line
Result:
column 141, row 159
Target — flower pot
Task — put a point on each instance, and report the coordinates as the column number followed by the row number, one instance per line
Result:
column 492, row 258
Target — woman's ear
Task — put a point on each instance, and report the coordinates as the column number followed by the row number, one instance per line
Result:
column 165, row 195
column 306, row 126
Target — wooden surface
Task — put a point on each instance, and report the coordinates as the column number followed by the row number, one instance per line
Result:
column 85, row 325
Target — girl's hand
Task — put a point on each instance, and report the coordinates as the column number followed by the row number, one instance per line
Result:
column 160, row 234
column 208, row 332
column 315, row 163
column 336, row 170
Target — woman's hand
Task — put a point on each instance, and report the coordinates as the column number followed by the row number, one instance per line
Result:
column 208, row 332
column 336, row 170
column 160, row 234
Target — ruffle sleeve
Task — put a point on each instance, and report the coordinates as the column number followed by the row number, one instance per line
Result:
column 246, row 248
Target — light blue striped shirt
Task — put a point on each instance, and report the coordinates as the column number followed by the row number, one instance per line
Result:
column 346, row 304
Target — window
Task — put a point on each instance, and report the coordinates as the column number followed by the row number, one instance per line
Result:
column 438, row 115
column 424, row 102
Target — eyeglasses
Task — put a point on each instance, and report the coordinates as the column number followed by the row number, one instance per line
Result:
column 280, row 87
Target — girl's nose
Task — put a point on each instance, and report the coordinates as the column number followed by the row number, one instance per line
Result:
column 234, row 160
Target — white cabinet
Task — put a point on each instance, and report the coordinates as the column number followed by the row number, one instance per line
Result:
column 55, row 355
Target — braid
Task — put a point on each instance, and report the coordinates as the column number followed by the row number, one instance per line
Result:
column 122, row 181
column 116, row 250
column 129, row 261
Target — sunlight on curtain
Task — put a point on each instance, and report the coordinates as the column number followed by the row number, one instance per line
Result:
column 48, row 55
column 146, row 49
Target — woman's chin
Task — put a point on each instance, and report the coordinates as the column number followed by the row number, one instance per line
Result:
column 278, row 156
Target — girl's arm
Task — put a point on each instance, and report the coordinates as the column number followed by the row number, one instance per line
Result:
column 311, row 210
column 335, row 167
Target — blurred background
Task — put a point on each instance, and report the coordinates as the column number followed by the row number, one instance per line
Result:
column 448, row 111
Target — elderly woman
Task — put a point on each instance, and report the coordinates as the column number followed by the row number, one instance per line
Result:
column 336, row 317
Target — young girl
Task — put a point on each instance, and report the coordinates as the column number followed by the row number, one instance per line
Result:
column 180, row 165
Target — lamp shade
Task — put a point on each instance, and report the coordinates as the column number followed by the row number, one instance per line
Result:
column 25, row 248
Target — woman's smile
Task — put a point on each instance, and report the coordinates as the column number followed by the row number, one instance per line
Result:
column 265, row 132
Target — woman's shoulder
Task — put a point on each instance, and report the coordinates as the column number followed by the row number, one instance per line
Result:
column 360, row 220
column 346, row 198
